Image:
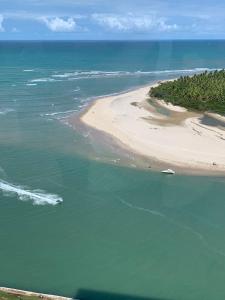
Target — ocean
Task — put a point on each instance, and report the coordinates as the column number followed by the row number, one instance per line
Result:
column 119, row 230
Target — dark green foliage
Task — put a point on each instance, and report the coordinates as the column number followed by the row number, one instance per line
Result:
column 203, row 92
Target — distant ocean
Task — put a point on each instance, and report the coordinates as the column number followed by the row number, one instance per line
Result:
column 120, row 229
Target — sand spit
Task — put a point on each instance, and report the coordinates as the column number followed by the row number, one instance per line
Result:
column 175, row 136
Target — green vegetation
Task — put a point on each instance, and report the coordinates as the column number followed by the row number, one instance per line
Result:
column 8, row 296
column 202, row 92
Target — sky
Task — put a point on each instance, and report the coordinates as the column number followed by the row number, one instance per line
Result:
column 111, row 19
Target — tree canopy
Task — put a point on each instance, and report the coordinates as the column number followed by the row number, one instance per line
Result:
column 202, row 92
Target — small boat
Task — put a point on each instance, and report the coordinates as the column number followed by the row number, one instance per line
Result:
column 168, row 171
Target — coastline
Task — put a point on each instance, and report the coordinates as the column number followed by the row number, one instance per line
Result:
column 175, row 137
column 21, row 293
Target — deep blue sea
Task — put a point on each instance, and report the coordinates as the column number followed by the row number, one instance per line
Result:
column 119, row 230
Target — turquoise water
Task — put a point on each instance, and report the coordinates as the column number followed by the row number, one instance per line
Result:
column 119, row 230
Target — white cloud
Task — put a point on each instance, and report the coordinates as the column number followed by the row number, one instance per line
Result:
column 131, row 22
column 2, row 29
column 57, row 24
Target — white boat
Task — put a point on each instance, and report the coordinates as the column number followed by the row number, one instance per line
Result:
column 168, row 171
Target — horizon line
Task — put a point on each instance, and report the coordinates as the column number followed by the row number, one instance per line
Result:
column 112, row 40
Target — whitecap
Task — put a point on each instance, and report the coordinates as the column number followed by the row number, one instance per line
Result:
column 104, row 74
column 60, row 112
column 6, row 111
column 31, row 84
column 28, row 70
column 44, row 80
column 77, row 89
column 83, row 105
column 62, row 75
column 38, row 197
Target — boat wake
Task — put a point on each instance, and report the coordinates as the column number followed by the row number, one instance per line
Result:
column 38, row 197
column 153, row 212
column 184, row 227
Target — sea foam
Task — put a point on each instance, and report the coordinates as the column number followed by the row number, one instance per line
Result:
column 6, row 111
column 93, row 74
column 111, row 74
column 38, row 197
column 44, row 80
column 31, row 84
column 59, row 113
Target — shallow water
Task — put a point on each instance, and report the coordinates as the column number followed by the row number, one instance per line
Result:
column 119, row 230
column 206, row 120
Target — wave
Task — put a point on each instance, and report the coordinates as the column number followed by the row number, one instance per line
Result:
column 77, row 89
column 59, row 113
column 44, row 80
column 82, row 75
column 6, row 111
column 111, row 74
column 82, row 105
column 38, row 197
column 31, row 84
column 28, row 70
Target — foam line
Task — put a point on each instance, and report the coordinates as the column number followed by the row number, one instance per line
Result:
column 38, row 197
column 59, row 113
column 80, row 75
column 97, row 74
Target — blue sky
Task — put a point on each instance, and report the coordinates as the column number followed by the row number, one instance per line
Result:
column 114, row 19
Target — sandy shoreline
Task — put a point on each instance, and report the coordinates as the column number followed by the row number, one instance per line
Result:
column 175, row 136
column 21, row 293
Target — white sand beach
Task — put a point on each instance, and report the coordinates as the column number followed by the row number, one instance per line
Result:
column 178, row 138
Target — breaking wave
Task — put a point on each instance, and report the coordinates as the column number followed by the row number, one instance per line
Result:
column 28, row 70
column 38, row 197
column 59, row 113
column 31, row 84
column 6, row 111
column 111, row 74
column 44, row 80
column 81, row 75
